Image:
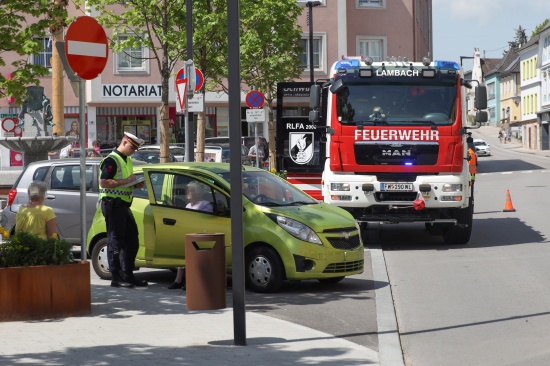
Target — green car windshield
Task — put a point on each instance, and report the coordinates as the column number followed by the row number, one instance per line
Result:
column 266, row 189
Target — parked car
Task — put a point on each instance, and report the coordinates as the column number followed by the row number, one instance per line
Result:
column 287, row 234
column 220, row 151
column 62, row 177
column 177, row 151
column 90, row 153
column 482, row 148
column 150, row 156
column 247, row 141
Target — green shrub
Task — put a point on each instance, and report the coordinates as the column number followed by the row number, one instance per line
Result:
column 25, row 249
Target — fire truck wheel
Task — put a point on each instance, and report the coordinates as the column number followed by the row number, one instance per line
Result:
column 455, row 234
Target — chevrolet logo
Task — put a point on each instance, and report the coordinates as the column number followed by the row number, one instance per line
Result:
column 345, row 235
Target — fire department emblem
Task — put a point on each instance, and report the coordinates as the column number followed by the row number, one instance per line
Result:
column 301, row 147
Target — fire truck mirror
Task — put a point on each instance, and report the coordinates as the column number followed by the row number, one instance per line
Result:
column 481, row 116
column 481, row 97
column 337, row 86
column 314, row 116
column 314, row 95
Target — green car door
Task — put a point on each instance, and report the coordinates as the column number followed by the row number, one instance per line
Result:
column 180, row 205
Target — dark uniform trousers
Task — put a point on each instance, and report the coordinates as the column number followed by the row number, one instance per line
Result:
column 122, row 234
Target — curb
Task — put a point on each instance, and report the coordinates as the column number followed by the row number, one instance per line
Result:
column 389, row 344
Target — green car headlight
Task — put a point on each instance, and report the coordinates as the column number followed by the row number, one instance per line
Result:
column 297, row 229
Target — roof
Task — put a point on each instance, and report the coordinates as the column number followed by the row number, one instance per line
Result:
column 488, row 64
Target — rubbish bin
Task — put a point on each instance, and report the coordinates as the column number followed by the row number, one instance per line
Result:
column 205, row 278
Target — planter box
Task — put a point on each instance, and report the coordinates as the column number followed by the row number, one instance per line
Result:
column 44, row 292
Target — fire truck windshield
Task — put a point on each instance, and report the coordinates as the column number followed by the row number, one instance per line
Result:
column 396, row 104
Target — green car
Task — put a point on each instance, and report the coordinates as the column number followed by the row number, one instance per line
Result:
column 287, row 234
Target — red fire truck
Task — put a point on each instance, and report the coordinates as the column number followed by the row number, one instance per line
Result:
column 388, row 142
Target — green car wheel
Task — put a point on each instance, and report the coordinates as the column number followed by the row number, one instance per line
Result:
column 264, row 270
column 99, row 259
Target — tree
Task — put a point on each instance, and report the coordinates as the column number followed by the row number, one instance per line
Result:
column 22, row 22
column 540, row 27
column 270, row 50
column 156, row 25
column 520, row 38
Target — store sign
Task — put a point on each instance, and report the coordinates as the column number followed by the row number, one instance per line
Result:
column 131, row 90
column 296, row 91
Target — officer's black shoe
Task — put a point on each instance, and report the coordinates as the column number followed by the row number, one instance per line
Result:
column 134, row 281
column 118, row 281
column 140, row 283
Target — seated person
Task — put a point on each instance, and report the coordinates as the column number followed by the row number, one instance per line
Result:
column 34, row 217
column 195, row 193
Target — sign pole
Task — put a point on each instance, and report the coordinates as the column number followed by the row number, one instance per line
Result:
column 236, row 174
column 83, row 233
column 189, row 126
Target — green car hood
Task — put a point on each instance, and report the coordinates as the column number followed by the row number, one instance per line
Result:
column 319, row 217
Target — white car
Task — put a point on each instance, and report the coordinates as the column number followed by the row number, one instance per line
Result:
column 177, row 151
column 482, row 148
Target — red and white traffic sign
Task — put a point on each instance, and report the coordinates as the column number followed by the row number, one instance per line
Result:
column 181, row 88
column 254, row 99
column 181, row 85
column 86, row 47
column 9, row 124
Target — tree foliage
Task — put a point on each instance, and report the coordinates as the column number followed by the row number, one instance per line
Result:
column 156, row 25
column 520, row 38
column 21, row 23
column 270, row 50
column 540, row 27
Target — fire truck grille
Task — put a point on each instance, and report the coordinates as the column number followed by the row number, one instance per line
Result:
column 402, row 153
column 396, row 177
column 352, row 242
column 344, row 267
column 395, row 196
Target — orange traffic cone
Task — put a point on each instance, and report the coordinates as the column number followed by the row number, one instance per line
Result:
column 508, row 207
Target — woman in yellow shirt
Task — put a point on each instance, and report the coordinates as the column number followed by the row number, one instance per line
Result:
column 34, row 217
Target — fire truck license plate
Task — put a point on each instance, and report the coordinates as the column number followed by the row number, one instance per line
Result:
column 396, row 186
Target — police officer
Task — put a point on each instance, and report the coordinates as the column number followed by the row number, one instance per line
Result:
column 122, row 233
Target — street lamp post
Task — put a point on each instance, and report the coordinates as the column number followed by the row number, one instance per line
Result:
column 310, row 5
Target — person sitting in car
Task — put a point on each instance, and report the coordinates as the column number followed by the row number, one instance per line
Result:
column 195, row 195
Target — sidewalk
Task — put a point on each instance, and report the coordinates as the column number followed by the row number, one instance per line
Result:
column 490, row 135
column 149, row 326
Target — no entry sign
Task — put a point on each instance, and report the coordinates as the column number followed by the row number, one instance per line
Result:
column 86, row 47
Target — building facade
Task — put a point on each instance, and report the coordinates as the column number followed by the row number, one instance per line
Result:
column 127, row 96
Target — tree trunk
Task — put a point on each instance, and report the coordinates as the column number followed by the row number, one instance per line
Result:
column 58, row 95
column 201, row 131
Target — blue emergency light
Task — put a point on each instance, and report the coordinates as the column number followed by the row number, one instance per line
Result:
column 347, row 64
column 447, row 65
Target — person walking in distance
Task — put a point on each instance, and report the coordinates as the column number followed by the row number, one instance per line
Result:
column 116, row 191
column 472, row 166
column 256, row 153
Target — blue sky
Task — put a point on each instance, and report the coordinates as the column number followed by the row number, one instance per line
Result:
column 459, row 26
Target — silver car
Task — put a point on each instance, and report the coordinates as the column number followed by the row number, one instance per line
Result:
column 62, row 178
column 482, row 148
